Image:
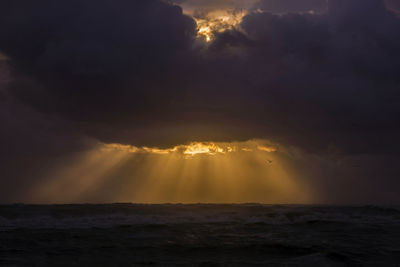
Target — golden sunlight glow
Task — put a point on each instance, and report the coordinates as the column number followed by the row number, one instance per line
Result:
column 194, row 148
column 197, row 172
column 266, row 148
column 218, row 21
column 203, row 148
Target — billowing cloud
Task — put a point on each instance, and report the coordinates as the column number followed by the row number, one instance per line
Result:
column 333, row 73
column 142, row 80
column 94, row 56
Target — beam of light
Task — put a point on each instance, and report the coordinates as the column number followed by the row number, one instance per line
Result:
column 197, row 172
column 218, row 21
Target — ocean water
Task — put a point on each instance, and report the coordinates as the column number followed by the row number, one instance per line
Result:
column 198, row 235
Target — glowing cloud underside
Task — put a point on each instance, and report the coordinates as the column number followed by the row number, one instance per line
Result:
column 206, row 172
column 194, row 148
column 218, row 21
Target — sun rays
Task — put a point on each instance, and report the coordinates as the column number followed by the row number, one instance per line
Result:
column 207, row 172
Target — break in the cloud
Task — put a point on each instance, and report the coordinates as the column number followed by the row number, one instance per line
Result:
column 135, row 73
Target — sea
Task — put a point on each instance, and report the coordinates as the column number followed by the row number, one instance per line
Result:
column 199, row 235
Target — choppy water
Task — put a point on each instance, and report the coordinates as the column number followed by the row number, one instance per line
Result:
column 199, row 235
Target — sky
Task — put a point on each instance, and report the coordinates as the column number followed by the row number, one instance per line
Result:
column 289, row 101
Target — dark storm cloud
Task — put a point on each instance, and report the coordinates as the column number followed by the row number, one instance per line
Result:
column 323, row 78
column 318, row 6
column 215, row 4
column 126, row 67
column 131, row 72
column 273, row 6
column 287, row 6
column 393, row 4
column 90, row 59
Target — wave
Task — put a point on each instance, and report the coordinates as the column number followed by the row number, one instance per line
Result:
column 112, row 215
